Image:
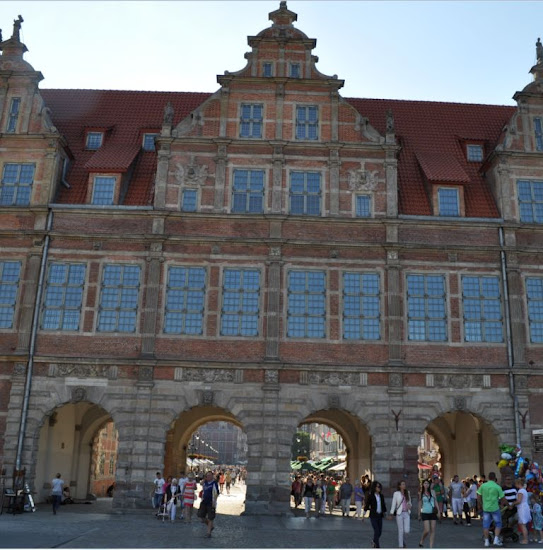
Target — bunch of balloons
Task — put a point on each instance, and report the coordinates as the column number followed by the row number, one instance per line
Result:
column 522, row 467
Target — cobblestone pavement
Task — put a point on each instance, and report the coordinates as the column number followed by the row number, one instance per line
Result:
column 94, row 526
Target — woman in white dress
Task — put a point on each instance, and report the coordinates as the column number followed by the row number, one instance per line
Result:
column 523, row 508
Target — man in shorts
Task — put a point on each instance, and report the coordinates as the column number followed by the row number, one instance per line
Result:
column 489, row 496
column 208, row 505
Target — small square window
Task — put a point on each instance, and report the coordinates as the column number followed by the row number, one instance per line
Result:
column 190, row 200
column 475, row 153
column 94, row 140
column 449, row 204
column 103, row 192
column 149, row 142
column 294, row 70
column 268, row 69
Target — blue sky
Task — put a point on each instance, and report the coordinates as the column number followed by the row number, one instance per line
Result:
column 473, row 52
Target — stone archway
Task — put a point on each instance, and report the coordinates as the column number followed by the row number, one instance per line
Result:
column 467, row 443
column 358, row 442
column 182, row 428
column 65, row 445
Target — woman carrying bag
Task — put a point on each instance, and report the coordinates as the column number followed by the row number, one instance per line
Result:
column 428, row 512
column 401, row 508
column 375, row 503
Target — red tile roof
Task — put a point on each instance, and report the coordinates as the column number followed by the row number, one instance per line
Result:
column 431, row 135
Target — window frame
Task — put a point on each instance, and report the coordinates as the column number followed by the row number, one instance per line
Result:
column 536, row 204
column 535, row 326
column 94, row 134
column 306, row 124
column 305, row 194
column 361, row 317
column 145, row 137
column 427, row 320
column 13, row 115
column 306, row 315
column 10, row 305
column 293, row 67
column 118, row 309
column 369, row 197
column 185, row 290
column 242, row 293
column 251, row 121
column 62, row 308
column 16, row 184
column 441, row 204
column 95, row 184
column 468, row 323
column 185, row 191
column 249, row 193
column 269, row 64
column 538, row 133
column 470, row 152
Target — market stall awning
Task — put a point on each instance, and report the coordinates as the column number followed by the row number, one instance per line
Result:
column 338, row 467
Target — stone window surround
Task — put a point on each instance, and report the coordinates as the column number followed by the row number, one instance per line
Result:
column 16, row 185
column 531, row 181
column 230, row 194
column 461, row 202
column 272, row 65
column 13, row 115
column 116, row 186
column 323, row 190
column 527, row 323
column 262, row 105
column 295, row 137
column 355, row 196
column 93, row 135
column 17, row 292
column 182, row 202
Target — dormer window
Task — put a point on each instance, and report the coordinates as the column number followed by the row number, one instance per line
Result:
column 267, row 69
column 148, row 143
column 94, row 140
column 13, row 115
column 448, row 202
column 474, row 152
column 538, row 134
column 294, row 70
column 103, row 192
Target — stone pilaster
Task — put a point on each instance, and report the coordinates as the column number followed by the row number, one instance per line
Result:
column 334, row 164
column 220, row 177
column 394, row 297
column 391, row 169
column 273, row 304
column 161, row 180
column 334, row 119
column 152, row 289
column 279, row 103
column 277, row 176
column 519, row 330
column 28, row 287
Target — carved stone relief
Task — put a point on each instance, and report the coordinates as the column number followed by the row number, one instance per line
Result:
column 191, row 175
column 395, row 380
column 459, row 403
column 145, row 374
column 79, row 394
column 333, row 401
column 334, row 378
column 208, row 375
column 207, row 397
column 79, row 371
column 271, row 376
column 362, row 180
column 19, row 369
column 458, row 381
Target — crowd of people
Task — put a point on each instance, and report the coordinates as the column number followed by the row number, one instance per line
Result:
column 173, row 495
column 499, row 507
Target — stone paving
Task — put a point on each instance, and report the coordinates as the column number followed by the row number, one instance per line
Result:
column 95, row 526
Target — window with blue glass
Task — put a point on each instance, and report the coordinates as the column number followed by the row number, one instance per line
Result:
column 240, row 302
column 63, row 297
column 363, row 206
column 13, row 115
column 16, row 186
column 251, row 120
column 103, row 191
column 534, row 293
column 481, row 300
column 307, row 122
column 294, row 70
column 248, row 191
column 94, row 140
column 268, row 68
column 361, row 306
column 189, row 200
column 538, row 134
column 9, row 283
column 305, row 193
column 149, row 142
column 426, row 308
column 474, row 153
column 306, row 310
column 449, row 204
column 185, row 300
column 119, row 298
column 530, row 198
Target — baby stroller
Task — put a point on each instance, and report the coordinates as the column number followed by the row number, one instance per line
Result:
column 163, row 511
column 509, row 526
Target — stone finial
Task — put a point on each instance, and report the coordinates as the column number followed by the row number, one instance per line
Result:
column 390, row 122
column 283, row 16
column 17, row 28
column 539, row 51
column 168, row 114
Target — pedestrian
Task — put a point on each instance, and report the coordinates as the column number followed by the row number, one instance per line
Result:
column 319, row 497
column 439, row 491
column 358, row 500
column 523, row 508
column 489, row 496
column 465, row 501
column 308, row 493
column 57, row 486
column 188, row 497
column 228, row 481
column 331, row 494
column 324, row 481
column 296, row 491
column 427, row 512
column 455, row 498
column 157, row 494
column 345, row 494
column 221, row 481
column 472, row 497
column 537, row 517
column 208, row 504
column 173, row 498
column 401, row 509
column 510, row 492
column 375, row 503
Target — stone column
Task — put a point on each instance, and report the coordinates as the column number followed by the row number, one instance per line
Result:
column 279, row 104
column 277, row 178
column 334, row 164
column 519, row 329
column 28, row 287
column 220, row 177
column 334, row 96
column 161, row 178
column 225, row 94
column 394, row 318
column 391, row 169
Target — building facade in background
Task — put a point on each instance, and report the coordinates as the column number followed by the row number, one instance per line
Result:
column 269, row 255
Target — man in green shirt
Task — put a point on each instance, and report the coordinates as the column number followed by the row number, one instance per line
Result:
column 489, row 496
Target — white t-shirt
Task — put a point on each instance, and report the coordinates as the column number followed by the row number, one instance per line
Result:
column 158, row 485
column 182, row 482
column 57, row 485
